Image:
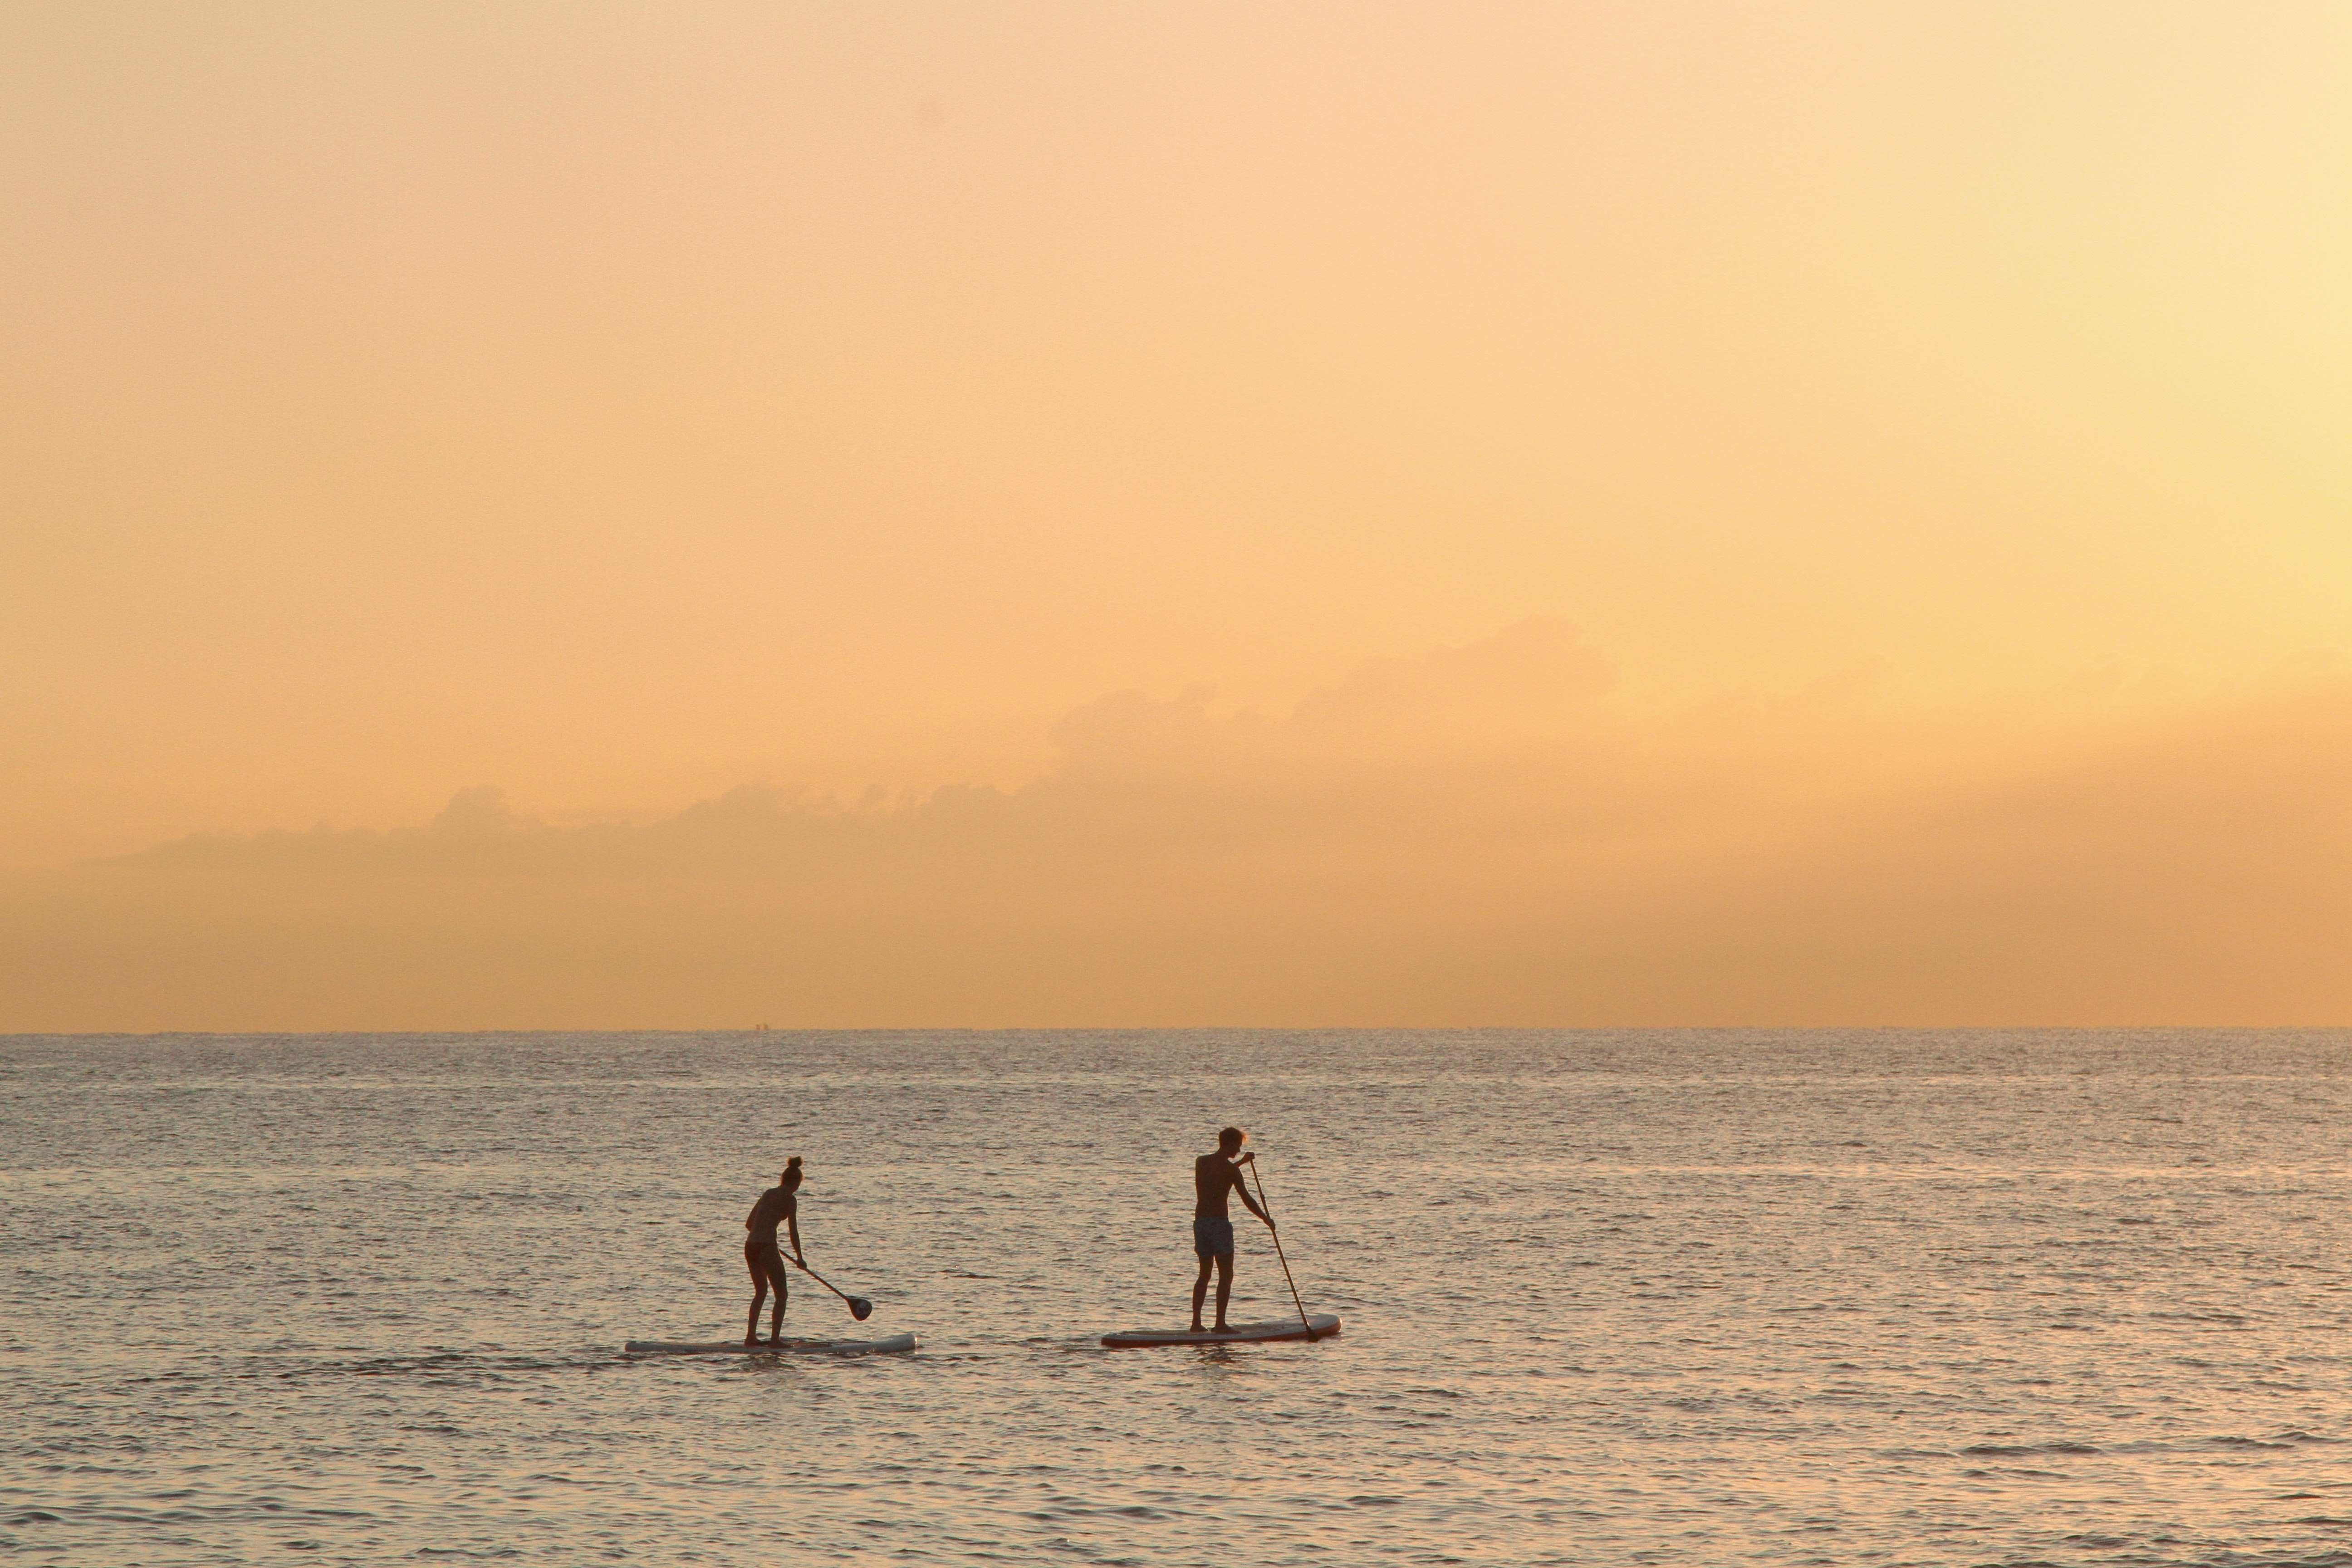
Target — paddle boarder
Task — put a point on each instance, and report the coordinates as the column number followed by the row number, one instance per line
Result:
column 780, row 1205
column 1213, row 1176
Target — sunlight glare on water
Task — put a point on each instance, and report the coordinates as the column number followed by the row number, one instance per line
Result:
column 1609, row 1297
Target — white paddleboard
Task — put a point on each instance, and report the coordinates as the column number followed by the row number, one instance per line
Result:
column 790, row 1347
column 1322, row 1324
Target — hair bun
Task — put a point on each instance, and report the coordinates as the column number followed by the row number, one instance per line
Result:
column 792, row 1163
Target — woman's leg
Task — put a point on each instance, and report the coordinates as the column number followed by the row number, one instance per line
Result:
column 759, row 1295
column 776, row 1279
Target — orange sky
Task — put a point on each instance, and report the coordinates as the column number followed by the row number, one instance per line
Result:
column 1371, row 514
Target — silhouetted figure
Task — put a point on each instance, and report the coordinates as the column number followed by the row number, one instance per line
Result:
column 777, row 1205
column 1214, row 1175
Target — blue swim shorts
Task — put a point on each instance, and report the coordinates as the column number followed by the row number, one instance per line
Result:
column 1212, row 1236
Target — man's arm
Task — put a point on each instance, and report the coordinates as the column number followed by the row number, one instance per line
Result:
column 1241, row 1191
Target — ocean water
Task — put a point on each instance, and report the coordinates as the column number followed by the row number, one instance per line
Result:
column 1609, row 1297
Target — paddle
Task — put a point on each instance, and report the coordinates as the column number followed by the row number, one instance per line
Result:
column 859, row 1307
column 1278, row 1250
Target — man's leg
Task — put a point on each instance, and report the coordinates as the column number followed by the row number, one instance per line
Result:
column 1224, row 1286
column 1200, row 1293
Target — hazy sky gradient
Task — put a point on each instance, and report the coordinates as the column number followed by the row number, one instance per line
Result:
column 1851, row 504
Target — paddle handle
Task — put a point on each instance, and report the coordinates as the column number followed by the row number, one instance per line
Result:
column 1278, row 1253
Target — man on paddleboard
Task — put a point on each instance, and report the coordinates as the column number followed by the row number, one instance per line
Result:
column 1213, row 1176
column 778, row 1206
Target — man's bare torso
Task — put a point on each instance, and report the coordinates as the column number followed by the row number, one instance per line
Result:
column 1213, row 1176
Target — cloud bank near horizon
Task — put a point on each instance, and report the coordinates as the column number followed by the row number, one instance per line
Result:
column 1504, row 832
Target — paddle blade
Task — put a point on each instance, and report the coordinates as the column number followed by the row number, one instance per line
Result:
column 860, row 1307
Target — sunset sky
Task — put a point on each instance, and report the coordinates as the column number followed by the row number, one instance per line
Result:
column 568, row 515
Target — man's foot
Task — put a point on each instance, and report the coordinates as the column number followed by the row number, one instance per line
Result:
column 749, row 1341
column 1196, row 1329
column 1222, row 1327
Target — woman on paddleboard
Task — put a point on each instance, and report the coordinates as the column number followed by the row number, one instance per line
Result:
column 778, row 1206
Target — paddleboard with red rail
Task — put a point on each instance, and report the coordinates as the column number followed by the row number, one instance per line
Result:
column 1318, row 1326
column 767, row 1347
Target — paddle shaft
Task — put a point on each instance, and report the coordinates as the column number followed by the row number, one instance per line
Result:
column 1278, row 1252
column 821, row 1281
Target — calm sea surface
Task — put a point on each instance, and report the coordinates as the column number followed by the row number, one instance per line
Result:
column 1708, row 1297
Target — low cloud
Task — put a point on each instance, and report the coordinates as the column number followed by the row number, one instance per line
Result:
column 1500, row 833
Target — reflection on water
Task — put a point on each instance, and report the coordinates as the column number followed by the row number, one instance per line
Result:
column 1799, row 1297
